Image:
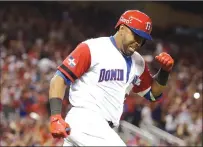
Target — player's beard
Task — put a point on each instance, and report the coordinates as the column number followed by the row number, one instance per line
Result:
column 124, row 49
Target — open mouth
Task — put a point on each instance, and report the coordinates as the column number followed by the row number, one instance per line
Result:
column 132, row 49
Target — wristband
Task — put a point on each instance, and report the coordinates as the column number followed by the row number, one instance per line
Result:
column 162, row 77
column 55, row 105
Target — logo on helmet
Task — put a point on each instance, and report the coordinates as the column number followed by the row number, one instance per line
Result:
column 148, row 26
column 126, row 21
column 129, row 21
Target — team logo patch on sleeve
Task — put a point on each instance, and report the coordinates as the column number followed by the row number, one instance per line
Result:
column 71, row 61
column 136, row 81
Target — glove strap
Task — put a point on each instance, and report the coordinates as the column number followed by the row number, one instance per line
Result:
column 55, row 105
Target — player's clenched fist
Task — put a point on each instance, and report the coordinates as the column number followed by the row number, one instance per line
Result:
column 59, row 128
column 165, row 60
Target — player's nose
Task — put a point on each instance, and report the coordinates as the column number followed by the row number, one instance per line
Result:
column 136, row 45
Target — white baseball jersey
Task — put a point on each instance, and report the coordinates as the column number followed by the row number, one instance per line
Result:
column 101, row 75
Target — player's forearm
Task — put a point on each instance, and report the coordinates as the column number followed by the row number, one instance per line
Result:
column 159, row 82
column 157, row 89
column 57, row 87
column 56, row 94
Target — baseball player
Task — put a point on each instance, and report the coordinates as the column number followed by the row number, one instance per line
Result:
column 99, row 73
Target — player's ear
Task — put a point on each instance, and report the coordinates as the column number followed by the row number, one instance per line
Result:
column 121, row 29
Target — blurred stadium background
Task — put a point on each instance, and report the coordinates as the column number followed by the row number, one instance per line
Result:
column 36, row 36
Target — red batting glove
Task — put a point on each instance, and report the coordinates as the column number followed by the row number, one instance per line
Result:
column 59, row 127
column 165, row 60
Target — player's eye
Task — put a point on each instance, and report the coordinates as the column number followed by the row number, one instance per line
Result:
column 138, row 39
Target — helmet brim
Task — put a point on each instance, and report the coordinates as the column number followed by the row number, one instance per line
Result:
column 141, row 33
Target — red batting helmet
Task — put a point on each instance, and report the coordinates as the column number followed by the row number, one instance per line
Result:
column 138, row 22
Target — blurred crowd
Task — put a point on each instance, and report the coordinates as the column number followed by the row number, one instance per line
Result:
column 35, row 39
